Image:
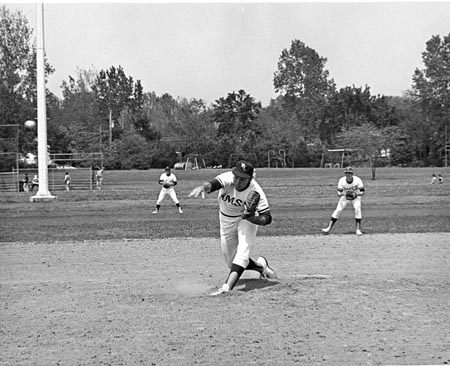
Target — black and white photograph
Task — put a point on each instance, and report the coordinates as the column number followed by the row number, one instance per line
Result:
column 225, row 183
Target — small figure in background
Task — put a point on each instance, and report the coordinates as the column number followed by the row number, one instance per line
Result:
column 433, row 179
column 67, row 180
column 440, row 179
column 26, row 182
column 34, row 182
column 99, row 178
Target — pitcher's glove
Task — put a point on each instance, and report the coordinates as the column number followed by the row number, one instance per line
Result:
column 350, row 195
column 166, row 185
column 250, row 205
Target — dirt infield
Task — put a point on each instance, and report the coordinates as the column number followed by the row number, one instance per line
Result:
column 341, row 300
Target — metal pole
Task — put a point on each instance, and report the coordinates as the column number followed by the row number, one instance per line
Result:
column 446, row 146
column 43, row 194
column 110, row 129
column 17, row 159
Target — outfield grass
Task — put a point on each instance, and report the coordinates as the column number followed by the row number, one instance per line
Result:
column 399, row 200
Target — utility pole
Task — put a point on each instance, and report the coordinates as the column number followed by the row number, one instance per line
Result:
column 110, row 129
column 43, row 195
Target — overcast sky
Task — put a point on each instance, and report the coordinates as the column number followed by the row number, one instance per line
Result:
column 206, row 50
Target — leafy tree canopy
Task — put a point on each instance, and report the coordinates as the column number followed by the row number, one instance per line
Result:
column 301, row 73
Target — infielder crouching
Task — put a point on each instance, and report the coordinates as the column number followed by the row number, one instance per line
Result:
column 238, row 226
column 350, row 189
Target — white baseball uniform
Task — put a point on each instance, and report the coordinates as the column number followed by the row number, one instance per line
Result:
column 99, row 178
column 170, row 179
column 67, row 181
column 343, row 186
column 236, row 234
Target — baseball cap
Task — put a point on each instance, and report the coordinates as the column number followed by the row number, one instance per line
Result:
column 243, row 169
column 349, row 169
column 167, row 168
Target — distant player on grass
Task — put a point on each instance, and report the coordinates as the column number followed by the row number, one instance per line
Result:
column 34, row 183
column 237, row 227
column 26, row 181
column 67, row 181
column 168, row 180
column 350, row 188
column 99, row 178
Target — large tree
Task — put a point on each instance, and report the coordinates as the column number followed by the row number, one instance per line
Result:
column 17, row 79
column 79, row 118
column 119, row 95
column 352, row 106
column 304, row 84
column 236, row 118
column 301, row 73
column 431, row 89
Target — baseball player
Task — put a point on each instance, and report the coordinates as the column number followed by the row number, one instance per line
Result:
column 350, row 188
column 238, row 226
column 67, row 180
column 25, row 183
column 168, row 180
column 34, row 182
column 99, row 178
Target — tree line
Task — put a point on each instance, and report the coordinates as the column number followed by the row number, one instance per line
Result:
column 109, row 112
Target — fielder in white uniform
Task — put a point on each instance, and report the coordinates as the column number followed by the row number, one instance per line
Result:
column 99, row 178
column 168, row 180
column 238, row 234
column 353, row 183
column 67, row 181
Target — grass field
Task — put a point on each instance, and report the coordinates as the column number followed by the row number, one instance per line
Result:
column 94, row 278
column 302, row 200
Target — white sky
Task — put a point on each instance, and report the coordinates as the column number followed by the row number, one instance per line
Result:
column 206, row 50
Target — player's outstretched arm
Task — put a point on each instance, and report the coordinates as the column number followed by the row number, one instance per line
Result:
column 205, row 187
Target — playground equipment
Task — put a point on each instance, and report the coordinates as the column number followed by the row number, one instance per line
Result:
column 193, row 161
column 273, row 159
column 345, row 157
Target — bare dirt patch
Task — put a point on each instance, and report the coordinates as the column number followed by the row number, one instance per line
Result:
column 340, row 299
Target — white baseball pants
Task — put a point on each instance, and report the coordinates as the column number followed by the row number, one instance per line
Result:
column 167, row 191
column 236, row 238
column 343, row 203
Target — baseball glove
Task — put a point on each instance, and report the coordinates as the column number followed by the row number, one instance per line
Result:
column 166, row 185
column 250, row 204
column 350, row 195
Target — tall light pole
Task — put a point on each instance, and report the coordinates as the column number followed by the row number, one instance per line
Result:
column 42, row 195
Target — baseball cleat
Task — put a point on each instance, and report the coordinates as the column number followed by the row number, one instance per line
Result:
column 223, row 290
column 326, row 231
column 359, row 232
column 155, row 212
column 180, row 210
column 267, row 272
